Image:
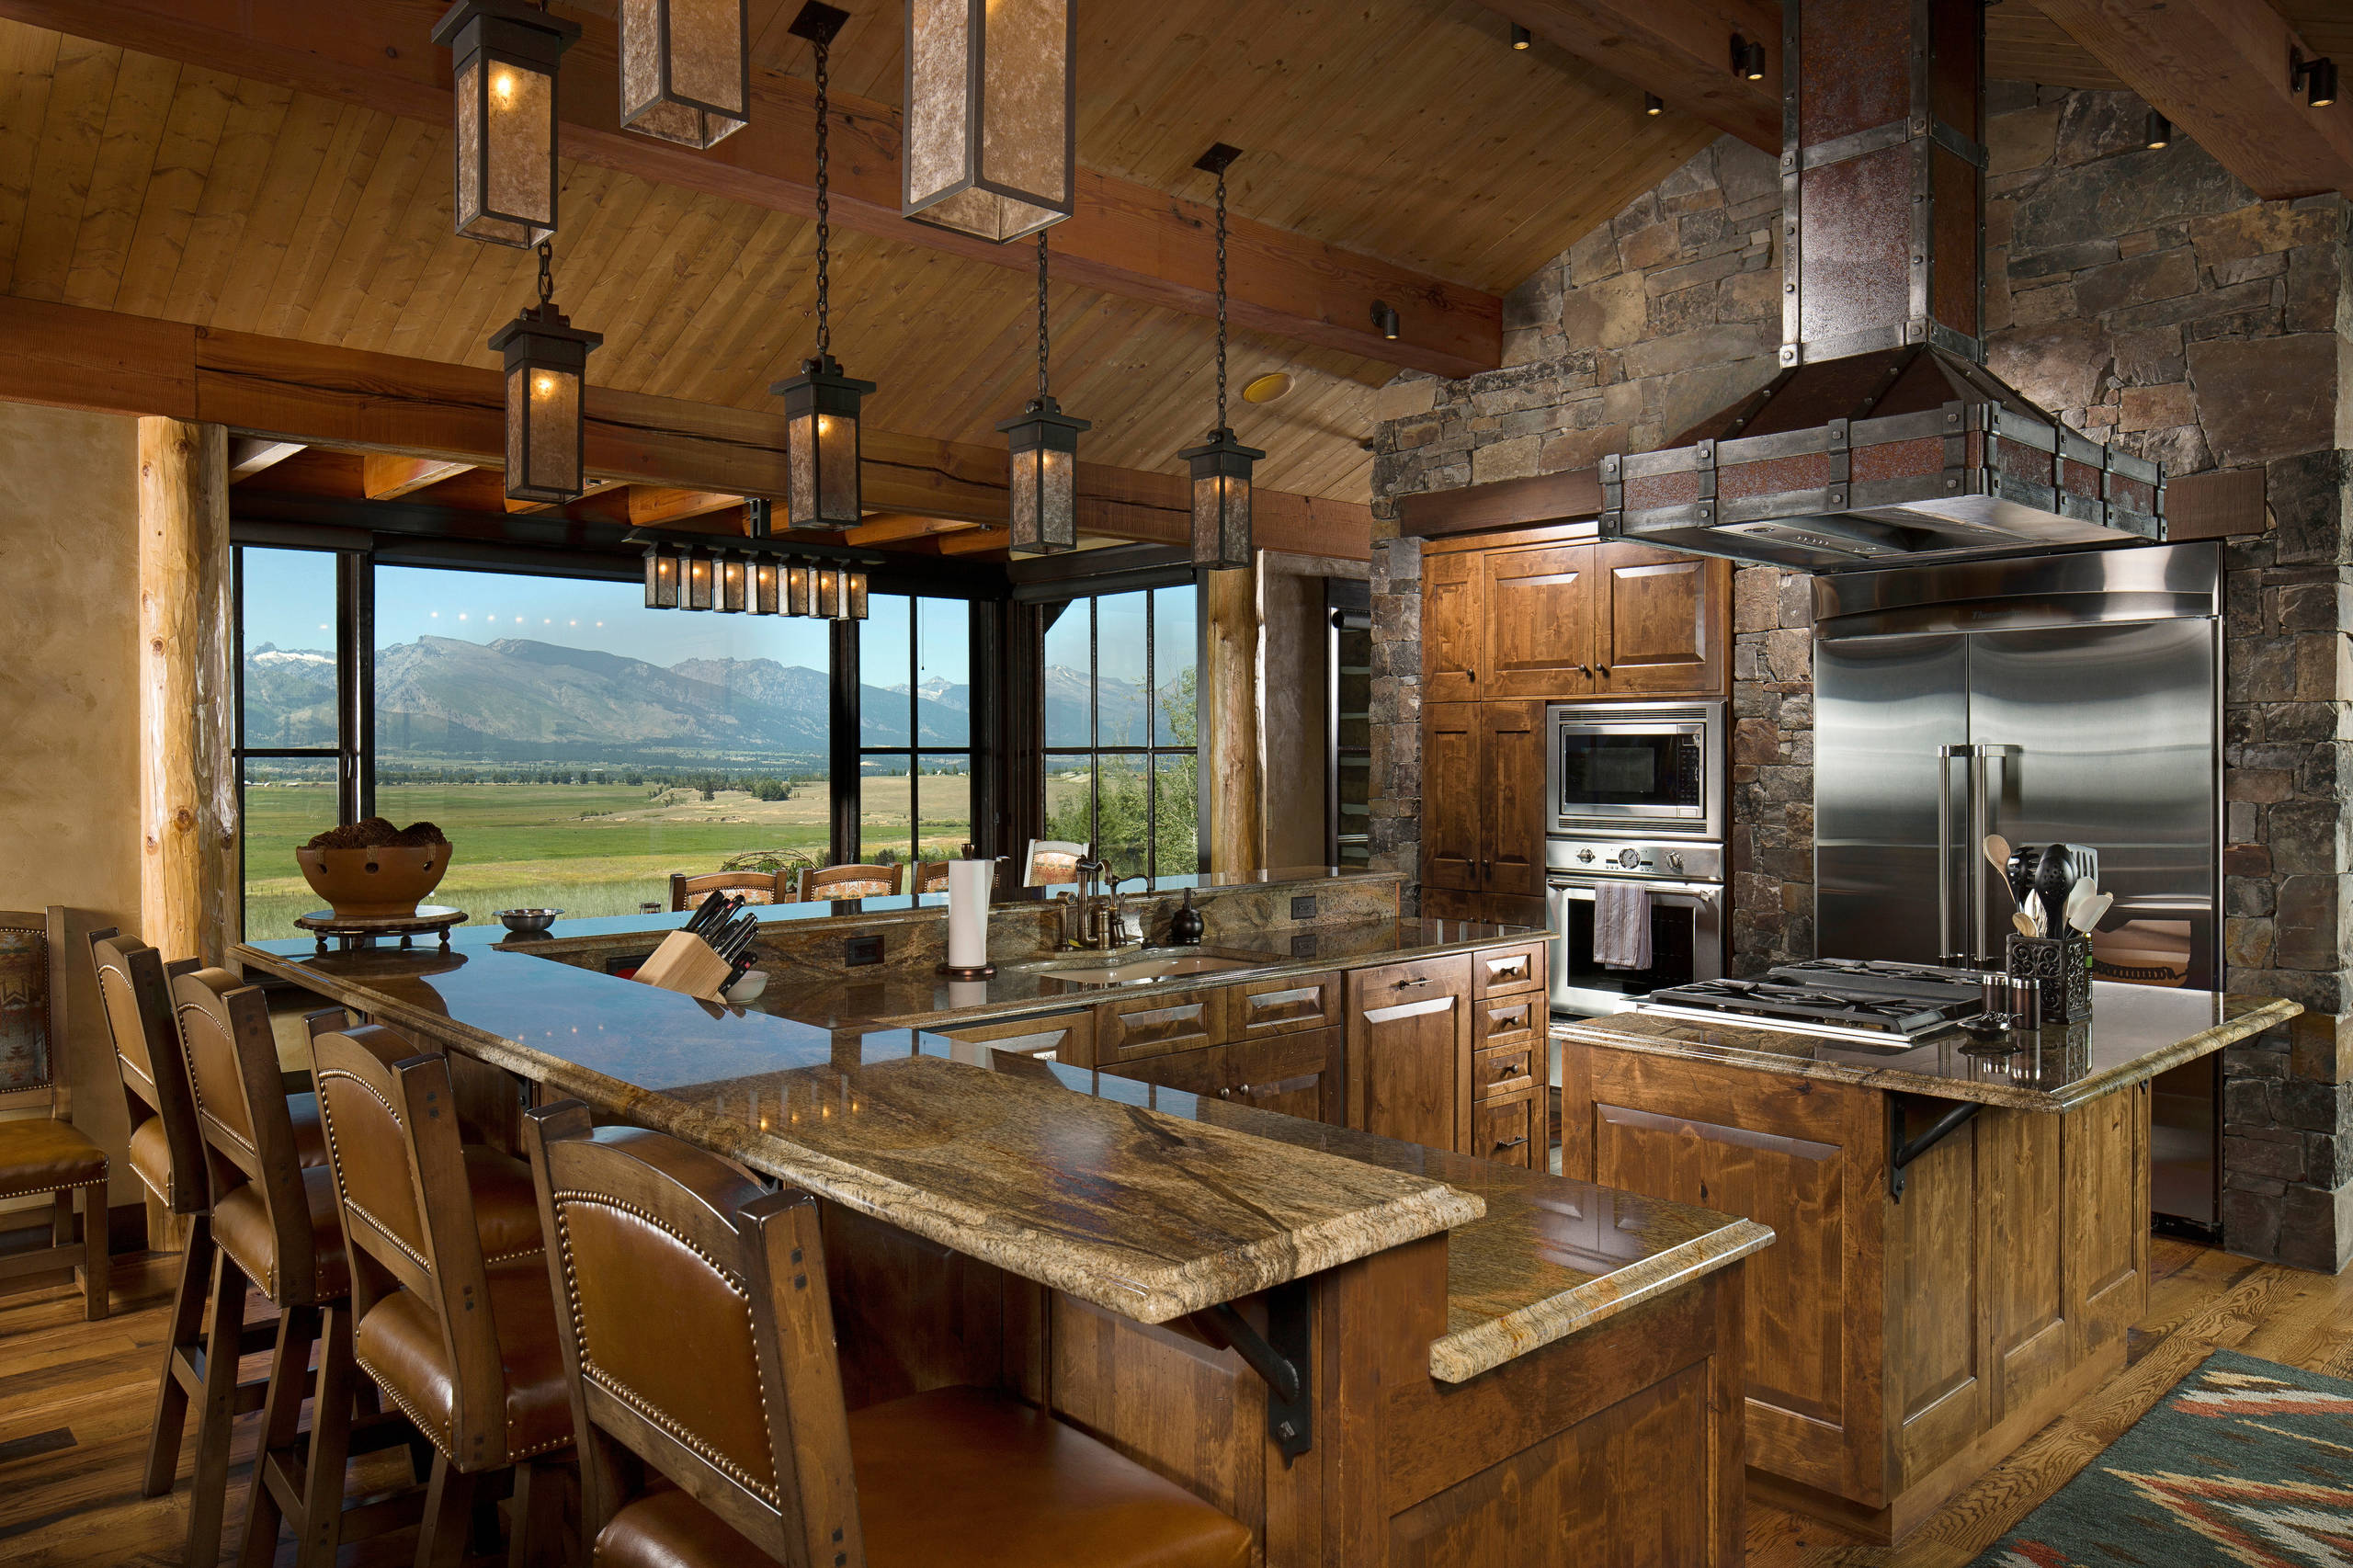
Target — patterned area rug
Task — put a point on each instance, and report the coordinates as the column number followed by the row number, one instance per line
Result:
column 2242, row 1464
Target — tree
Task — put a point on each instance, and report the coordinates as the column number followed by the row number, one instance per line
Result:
column 1119, row 827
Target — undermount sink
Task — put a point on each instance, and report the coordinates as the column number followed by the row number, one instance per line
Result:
column 1136, row 970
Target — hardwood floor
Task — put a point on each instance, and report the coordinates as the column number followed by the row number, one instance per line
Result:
column 77, row 1399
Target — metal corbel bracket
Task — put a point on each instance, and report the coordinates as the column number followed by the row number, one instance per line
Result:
column 1903, row 1151
column 1281, row 1357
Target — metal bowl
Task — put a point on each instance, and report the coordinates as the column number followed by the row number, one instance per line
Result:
column 527, row 922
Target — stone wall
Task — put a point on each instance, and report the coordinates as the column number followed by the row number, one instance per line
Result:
column 2149, row 300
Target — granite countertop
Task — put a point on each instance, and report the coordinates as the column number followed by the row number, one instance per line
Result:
column 906, row 998
column 2134, row 1033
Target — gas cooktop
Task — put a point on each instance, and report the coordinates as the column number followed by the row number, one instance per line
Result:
column 1876, row 1001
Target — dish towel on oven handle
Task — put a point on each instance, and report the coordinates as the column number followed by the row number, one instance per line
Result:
column 1622, row 924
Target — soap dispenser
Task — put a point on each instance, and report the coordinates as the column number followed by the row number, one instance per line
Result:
column 1185, row 928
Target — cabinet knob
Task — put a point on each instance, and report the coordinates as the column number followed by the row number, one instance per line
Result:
column 1511, row 1070
column 1226, row 1093
column 1601, row 669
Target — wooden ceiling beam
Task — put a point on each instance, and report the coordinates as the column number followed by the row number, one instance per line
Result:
column 2218, row 69
column 654, row 506
column 978, row 541
column 1123, row 238
column 893, row 528
column 387, row 477
column 249, row 455
column 364, row 401
column 1681, row 50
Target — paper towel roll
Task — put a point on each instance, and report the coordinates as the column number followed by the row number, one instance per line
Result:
column 968, row 912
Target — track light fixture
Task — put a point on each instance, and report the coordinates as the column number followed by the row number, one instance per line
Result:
column 1520, row 37
column 1653, row 105
column 1384, row 319
column 1748, row 58
column 2159, row 133
column 2316, row 76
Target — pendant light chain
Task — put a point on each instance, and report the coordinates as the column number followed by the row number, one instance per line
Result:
column 547, row 272
column 824, row 329
column 1220, row 299
column 1041, row 316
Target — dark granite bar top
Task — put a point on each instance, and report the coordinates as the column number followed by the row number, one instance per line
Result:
column 903, row 997
column 2134, row 1033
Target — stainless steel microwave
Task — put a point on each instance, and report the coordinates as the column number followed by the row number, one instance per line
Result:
column 1652, row 769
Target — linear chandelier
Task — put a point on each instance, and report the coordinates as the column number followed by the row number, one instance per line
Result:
column 749, row 577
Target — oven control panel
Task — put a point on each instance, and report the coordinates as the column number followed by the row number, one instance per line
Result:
column 1675, row 861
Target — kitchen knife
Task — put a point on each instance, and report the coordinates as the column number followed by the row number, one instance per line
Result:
column 701, row 917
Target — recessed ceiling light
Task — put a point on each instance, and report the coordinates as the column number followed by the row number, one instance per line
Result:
column 1266, row 388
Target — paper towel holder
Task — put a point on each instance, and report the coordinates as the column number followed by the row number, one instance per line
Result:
column 971, row 972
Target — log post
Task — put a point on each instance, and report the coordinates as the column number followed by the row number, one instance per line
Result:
column 188, row 885
column 1231, row 708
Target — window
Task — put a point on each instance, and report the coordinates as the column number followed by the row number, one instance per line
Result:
column 297, row 742
column 914, row 757
column 576, row 747
column 1122, row 746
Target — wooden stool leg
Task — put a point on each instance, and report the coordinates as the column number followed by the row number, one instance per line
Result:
column 281, row 1419
column 98, row 1266
column 449, row 1516
column 183, row 1346
column 217, row 1414
column 322, row 1527
column 542, row 1499
column 61, row 1219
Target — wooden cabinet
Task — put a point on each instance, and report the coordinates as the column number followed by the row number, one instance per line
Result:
column 1483, row 790
column 1507, row 1129
column 1454, row 633
column 1539, row 614
column 1409, row 1051
column 1662, row 630
column 1296, row 1074
column 1257, row 1008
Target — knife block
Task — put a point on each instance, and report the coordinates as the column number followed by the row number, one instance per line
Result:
column 684, row 963
column 2064, row 964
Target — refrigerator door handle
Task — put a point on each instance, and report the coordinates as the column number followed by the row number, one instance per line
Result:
column 1946, row 952
column 1987, row 942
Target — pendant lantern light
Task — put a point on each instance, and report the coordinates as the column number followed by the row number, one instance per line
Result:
column 546, row 360
column 661, row 579
column 698, row 572
column 992, row 121
column 1221, row 466
column 685, row 69
column 820, row 445
column 731, row 590
column 1044, row 445
column 503, row 61
column 768, row 587
column 799, row 588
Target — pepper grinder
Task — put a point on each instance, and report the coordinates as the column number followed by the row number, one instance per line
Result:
column 1184, row 927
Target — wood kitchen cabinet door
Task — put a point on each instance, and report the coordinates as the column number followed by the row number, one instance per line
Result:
column 1453, row 628
column 1539, row 611
column 1298, row 1074
column 1662, row 622
column 1452, row 828
column 1510, row 798
column 1409, row 1051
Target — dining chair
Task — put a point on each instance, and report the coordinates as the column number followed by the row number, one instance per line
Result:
column 1051, row 861
column 851, row 881
column 47, row 1155
column 459, row 1331
column 756, row 886
column 931, row 876
column 655, row 1245
column 168, row 1153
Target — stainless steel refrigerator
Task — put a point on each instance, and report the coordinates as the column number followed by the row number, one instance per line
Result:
column 2072, row 697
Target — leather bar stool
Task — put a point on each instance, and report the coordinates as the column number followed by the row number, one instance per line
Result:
column 698, row 1342
column 450, row 1299
column 47, row 1155
column 168, row 1156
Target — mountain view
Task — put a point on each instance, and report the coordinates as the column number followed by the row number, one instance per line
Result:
column 519, row 700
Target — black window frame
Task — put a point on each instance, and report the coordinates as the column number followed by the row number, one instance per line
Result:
column 914, row 751
column 1151, row 752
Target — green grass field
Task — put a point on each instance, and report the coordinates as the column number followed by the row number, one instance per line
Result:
column 587, row 849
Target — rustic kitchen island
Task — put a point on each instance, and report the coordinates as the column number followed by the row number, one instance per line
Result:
column 1962, row 1238
column 1493, row 1365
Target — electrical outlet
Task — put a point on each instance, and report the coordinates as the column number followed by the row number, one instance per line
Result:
column 1303, row 947
column 859, row 952
column 1304, row 907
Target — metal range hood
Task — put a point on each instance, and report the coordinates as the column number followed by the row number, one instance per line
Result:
column 1884, row 441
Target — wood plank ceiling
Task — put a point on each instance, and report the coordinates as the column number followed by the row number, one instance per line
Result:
column 1399, row 127
column 2024, row 45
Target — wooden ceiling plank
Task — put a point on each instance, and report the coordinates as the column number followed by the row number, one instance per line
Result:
column 175, row 192
column 2218, row 69
column 390, row 184
column 709, row 273
column 740, row 313
column 386, row 478
column 71, row 132
column 240, row 165
column 296, row 156
column 1678, row 48
column 250, row 455
column 632, row 331
column 27, row 77
column 417, row 233
column 143, row 89
column 1125, row 238
column 333, row 202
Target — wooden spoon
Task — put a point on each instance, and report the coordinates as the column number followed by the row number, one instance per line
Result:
column 1997, row 855
column 2024, row 923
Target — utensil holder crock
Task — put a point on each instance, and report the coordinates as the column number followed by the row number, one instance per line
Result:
column 2064, row 964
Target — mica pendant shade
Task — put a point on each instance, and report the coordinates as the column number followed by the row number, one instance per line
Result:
column 685, row 69
column 1221, row 473
column 503, row 65
column 1044, row 445
column 830, row 597
column 547, row 361
column 661, row 579
column 767, row 588
column 821, row 444
column 731, row 588
column 991, row 119
column 700, row 574
column 799, row 588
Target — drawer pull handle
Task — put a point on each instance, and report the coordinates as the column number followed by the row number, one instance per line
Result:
column 1510, row 1143
column 1511, row 1071
column 1409, row 985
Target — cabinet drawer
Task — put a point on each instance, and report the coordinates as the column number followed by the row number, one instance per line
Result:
column 1500, row 969
column 1508, row 1021
column 1126, row 1030
column 1447, row 975
column 1281, row 1007
column 1507, row 1071
column 1505, row 1129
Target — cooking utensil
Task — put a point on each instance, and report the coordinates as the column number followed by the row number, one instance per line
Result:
column 2087, row 919
column 2051, row 885
column 1997, row 855
column 2020, row 872
column 2078, row 896
column 2024, row 922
